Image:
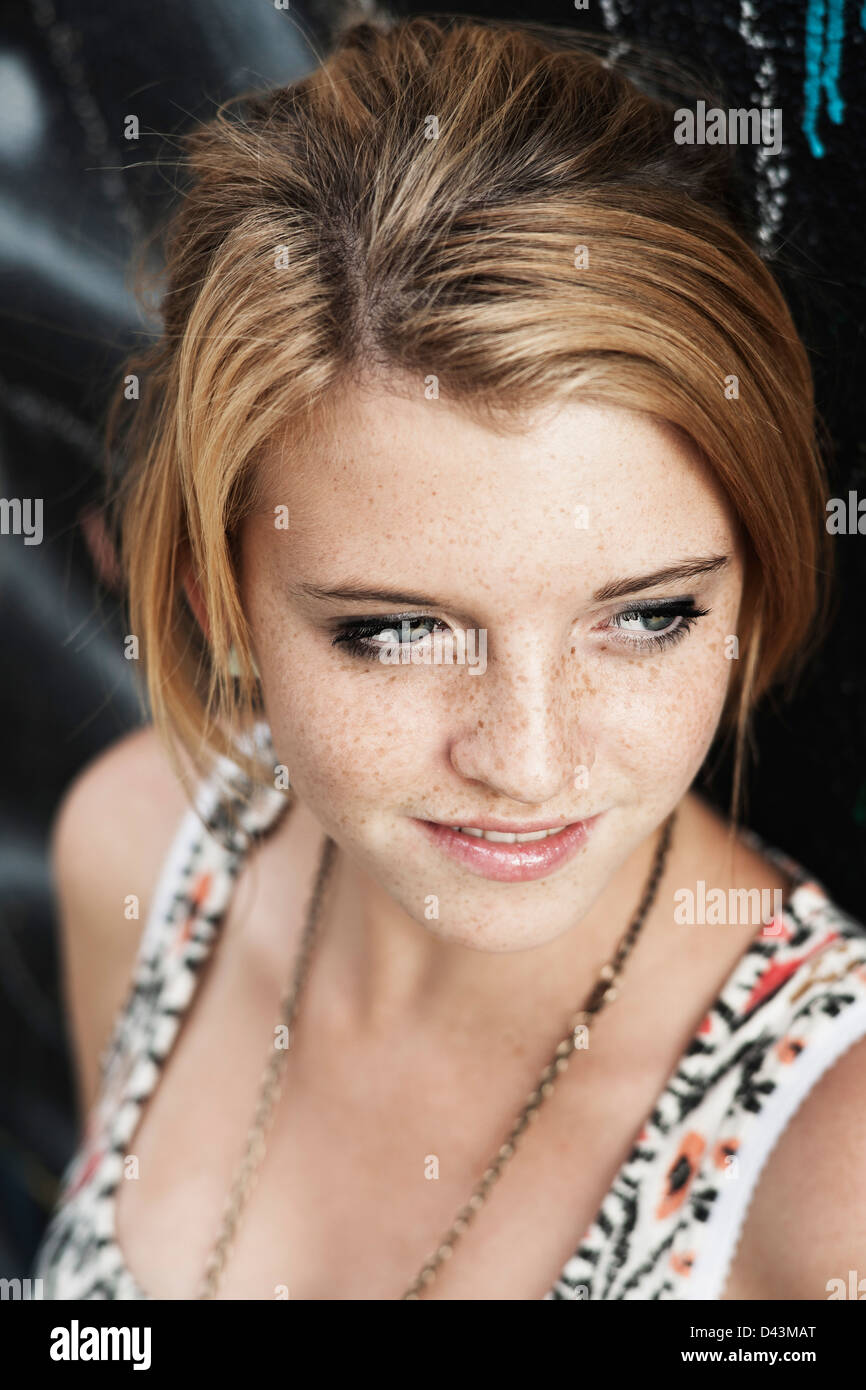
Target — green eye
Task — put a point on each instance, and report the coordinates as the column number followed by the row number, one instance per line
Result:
column 655, row 622
column 656, row 627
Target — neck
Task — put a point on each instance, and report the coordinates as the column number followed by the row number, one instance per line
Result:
column 388, row 973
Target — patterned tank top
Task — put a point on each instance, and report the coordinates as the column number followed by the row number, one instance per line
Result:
column 670, row 1223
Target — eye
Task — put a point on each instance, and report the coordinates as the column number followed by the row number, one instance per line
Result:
column 648, row 627
column 652, row 626
column 369, row 637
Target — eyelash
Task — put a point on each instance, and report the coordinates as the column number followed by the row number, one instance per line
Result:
column 356, row 637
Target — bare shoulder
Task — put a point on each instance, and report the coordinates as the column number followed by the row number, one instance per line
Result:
column 117, row 813
column 110, row 835
column 805, row 1229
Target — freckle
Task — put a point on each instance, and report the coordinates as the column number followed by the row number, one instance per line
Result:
column 573, row 650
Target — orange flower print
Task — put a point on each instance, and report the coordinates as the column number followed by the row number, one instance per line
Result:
column 197, row 897
column 777, row 972
column 680, row 1173
column 682, row 1264
column 777, row 928
column 788, row 1048
column 724, row 1150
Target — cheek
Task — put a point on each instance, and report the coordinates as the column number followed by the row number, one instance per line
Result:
column 661, row 713
column 347, row 734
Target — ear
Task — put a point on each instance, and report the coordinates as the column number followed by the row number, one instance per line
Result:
column 194, row 595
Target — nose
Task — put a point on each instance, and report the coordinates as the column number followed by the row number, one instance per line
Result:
column 519, row 730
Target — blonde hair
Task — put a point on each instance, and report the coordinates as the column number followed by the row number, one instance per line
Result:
column 322, row 238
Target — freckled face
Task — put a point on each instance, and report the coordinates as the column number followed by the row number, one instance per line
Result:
column 585, row 705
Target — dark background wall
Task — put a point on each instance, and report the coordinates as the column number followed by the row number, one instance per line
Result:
column 77, row 198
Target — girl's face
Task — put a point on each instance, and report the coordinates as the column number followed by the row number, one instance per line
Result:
column 592, row 678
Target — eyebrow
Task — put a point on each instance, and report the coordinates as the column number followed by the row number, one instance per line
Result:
column 616, row 588
column 688, row 569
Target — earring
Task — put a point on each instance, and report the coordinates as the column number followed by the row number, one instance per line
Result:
column 234, row 664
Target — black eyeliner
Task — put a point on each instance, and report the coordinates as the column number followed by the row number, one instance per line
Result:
column 663, row 605
column 346, row 629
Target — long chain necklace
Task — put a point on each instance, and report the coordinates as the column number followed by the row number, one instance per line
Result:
column 603, row 993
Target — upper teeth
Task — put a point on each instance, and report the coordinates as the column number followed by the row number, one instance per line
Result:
column 504, row 837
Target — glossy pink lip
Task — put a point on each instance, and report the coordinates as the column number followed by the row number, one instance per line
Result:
column 510, row 863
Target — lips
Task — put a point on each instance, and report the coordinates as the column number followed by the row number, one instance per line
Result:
column 510, row 863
